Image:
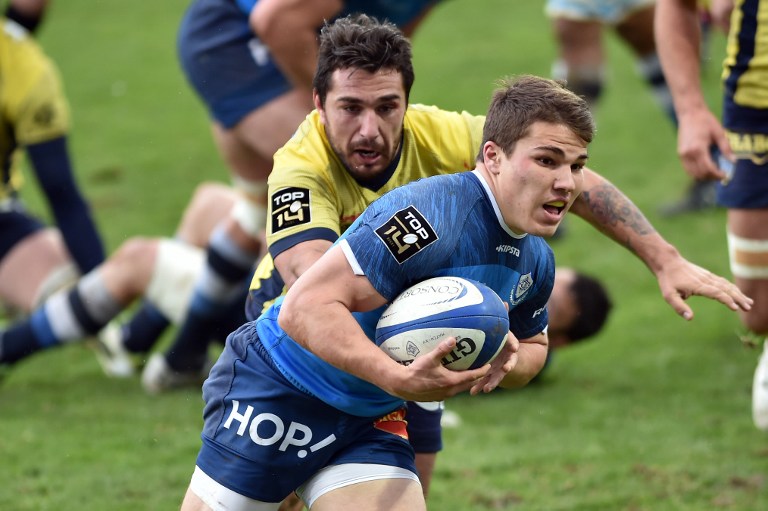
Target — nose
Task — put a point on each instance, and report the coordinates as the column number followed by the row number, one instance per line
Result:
column 369, row 125
column 565, row 179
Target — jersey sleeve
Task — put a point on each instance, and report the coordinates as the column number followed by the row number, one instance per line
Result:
column 303, row 204
column 40, row 112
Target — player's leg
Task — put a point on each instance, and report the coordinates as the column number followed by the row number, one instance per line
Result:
column 399, row 494
column 636, row 30
column 255, row 112
column 36, row 266
column 236, row 243
column 581, row 56
column 175, row 266
column 748, row 249
column 425, row 434
column 83, row 310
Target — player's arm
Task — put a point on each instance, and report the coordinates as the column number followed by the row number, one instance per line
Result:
column 291, row 263
column 51, row 163
column 289, row 29
column 517, row 364
column 678, row 36
column 316, row 314
column 615, row 215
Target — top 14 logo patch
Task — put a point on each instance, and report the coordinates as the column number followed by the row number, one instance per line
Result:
column 290, row 207
column 406, row 233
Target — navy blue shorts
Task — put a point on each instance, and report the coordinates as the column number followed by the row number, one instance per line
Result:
column 15, row 225
column 225, row 63
column 747, row 128
column 263, row 437
column 424, row 430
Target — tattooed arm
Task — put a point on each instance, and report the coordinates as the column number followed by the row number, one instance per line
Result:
column 615, row 215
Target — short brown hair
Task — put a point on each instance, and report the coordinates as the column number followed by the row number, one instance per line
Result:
column 519, row 102
column 362, row 42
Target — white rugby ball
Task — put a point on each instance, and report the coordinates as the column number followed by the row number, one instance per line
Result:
column 428, row 312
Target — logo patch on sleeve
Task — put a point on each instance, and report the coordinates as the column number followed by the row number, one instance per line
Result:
column 406, row 233
column 290, row 207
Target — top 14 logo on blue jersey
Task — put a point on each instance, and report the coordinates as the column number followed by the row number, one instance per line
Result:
column 406, row 233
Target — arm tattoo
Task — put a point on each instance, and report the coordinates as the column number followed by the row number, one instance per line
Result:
column 610, row 207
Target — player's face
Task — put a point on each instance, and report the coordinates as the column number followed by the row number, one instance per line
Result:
column 562, row 305
column 538, row 182
column 363, row 117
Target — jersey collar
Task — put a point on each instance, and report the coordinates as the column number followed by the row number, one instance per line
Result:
column 495, row 205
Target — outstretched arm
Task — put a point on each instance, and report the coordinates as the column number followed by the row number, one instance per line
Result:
column 615, row 215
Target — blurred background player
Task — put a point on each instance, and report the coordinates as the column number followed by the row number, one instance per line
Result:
column 35, row 260
column 251, row 62
column 742, row 139
column 27, row 13
column 161, row 269
column 578, row 26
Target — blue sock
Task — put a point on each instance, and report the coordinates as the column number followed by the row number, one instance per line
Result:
column 224, row 280
column 18, row 342
column 144, row 328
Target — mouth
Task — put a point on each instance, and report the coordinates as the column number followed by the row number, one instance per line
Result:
column 367, row 156
column 555, row 209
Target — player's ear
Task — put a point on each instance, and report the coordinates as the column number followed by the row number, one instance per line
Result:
column 318, row 104
column 491, row 156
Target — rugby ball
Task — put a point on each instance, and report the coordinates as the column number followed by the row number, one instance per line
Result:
column 428, row 312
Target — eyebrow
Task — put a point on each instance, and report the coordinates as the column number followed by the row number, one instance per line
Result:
column 382, row 99
column 555, row 149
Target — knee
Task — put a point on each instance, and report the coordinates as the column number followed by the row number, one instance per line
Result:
column 756, row 320
column 134, row 260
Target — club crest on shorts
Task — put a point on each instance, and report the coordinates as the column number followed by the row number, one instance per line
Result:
column 523, row 285
column 406, row 233
column 290, row 207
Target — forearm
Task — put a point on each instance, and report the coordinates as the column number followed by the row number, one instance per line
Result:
column 615, row 215
column 531, row 358
column 72, row 213
column 678, row 36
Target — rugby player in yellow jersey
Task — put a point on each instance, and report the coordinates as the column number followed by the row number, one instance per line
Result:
column 742, row 139
column 34, row 260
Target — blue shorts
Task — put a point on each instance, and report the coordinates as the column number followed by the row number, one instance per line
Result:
column 15, row 225
column 609, row 12
column 747, row 187
column 263, row 438
column 424, row 430
column 225, row 63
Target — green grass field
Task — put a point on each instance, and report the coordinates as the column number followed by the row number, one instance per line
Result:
column 653, row 414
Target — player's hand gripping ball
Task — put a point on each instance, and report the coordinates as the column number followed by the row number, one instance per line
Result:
column 428, row 312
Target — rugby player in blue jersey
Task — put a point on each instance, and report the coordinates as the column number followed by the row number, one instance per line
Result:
column 366, row 104
column 330, row 402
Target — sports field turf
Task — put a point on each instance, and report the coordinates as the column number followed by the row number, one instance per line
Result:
column 653, row 414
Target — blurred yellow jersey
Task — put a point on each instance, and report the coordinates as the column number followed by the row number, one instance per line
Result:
column 312, row 196
column 32, row 104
